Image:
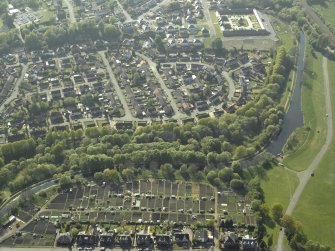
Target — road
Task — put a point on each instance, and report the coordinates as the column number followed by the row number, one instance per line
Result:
column 15, row 201
column 71, row 11
column 152, row 10
column 323, row 27
column 312, row 167
column 205, row 7
column 172, row 101
column 15, row 90
column 117, row 88
column 125, row 13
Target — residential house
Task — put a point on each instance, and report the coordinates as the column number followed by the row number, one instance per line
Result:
column 107, row 239
column 143, row 240
column 163, row 241
column 249, row 243
column 201, row 236
column 64, row 239
column 84, row 239
column 230, row 241
column 182, row 239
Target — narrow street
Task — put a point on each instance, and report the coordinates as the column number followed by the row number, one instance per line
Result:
column 172, row 101
column 125, row 13
column 128, row 115
column 208, row 18
column 313, row 166
column 71, row 11
column 15, row 90
column 231, row 85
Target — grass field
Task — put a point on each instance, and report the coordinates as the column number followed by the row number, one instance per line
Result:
column 326, row 12
column 285, row 182
column 316, row 206
column 314, row 114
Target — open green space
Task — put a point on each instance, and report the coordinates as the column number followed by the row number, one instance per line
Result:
column 216, row 25
column 316, row 206
column 284, row 182
column 284, row 33
column 326, row 11
column 314, row 113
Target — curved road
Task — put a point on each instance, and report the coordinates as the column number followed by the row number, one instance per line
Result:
column 312, row 167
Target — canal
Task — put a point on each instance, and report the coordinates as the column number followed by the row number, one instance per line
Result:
column 293, row 118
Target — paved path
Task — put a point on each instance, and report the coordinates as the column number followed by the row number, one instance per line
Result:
column 117, row 88
column 312, row 167
column 71, row 11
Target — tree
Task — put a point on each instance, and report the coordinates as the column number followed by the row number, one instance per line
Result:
column 226, row 174
column 74, row 231
column 289, row 224
column 87, row 99
column 218, row 47
column 211, row 175
column 128, row 173
column 34, row 41
column 112, row 33
column 65, row 182
column 277, row 212
column 111, row 175
column 167, row 171
column 237, row 185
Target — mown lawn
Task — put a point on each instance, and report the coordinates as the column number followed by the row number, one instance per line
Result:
column 315, row 209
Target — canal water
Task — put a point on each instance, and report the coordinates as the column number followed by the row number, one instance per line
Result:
column 293, row 118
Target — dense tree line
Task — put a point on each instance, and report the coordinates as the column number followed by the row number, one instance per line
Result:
column 56, row 36
column 210, row 150
column 17, row 150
